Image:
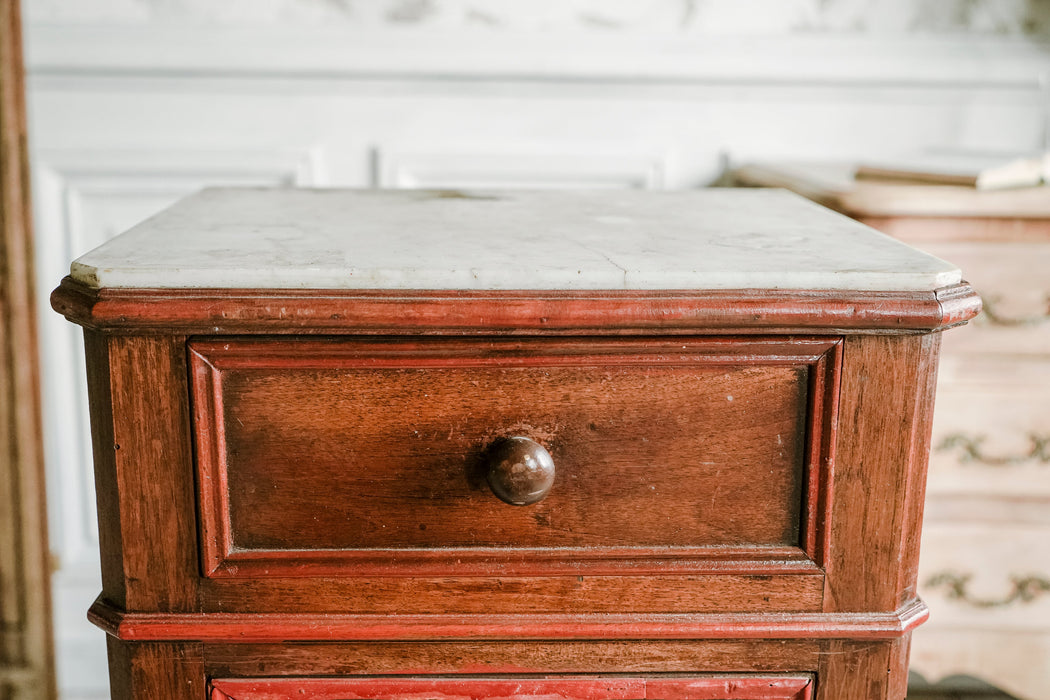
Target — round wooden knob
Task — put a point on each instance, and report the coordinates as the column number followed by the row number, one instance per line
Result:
column 520, row 471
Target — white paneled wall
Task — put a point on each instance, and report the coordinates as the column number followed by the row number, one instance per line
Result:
column 136, row 102
column 83, row 197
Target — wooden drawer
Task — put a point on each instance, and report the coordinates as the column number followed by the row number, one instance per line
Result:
column 367, row 457
column 725, row 687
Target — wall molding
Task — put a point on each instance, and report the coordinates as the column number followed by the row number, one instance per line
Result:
column 835, row 60
column 397, row 168
column 83, row 196
column 68, row 183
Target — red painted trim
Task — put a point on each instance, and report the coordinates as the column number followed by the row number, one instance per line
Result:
column 208, row 359
column 959, row 304
column 485, row 312
column 341, row 352
column 812, row 457
column 825, row 380
column 822, row 422
column 277, row 627
column 210, row 444
column 724, row 687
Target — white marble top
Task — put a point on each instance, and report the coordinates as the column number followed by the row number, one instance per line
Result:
column 355, row 239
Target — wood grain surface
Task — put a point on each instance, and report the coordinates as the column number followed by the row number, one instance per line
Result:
column 880, row 470
column 485, row 657
column 143, row 471
column 851, row 669
column 156, row 670
column 276, row 627
column 628, row 591
column 361, row 446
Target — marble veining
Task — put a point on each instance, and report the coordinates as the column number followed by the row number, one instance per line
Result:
column 417, row 239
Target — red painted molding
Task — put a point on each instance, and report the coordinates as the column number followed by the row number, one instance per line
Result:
column 276, row 627
column 959, row 304
column 220, row 558
column 821, row 428
column 724, row 687
column 596, row 312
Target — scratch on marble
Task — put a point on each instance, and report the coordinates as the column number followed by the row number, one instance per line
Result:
column 612, row 262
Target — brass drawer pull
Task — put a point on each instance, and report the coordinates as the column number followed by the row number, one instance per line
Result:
column 520, row 471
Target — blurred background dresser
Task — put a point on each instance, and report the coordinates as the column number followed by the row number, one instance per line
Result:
column 985, row 562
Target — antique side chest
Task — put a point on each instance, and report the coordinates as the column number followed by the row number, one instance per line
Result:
column 441, row 444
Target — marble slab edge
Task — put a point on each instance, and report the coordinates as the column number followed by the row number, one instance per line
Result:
column 511, row 240
column 524, row 312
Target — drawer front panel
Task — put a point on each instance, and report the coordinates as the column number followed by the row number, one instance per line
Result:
column 726, row 687
column 364, row 447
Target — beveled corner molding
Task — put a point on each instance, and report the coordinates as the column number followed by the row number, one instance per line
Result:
column 959, row 303
column 281, row 627
column 591, row 312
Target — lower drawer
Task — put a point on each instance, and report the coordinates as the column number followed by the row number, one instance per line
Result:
column 722, row 687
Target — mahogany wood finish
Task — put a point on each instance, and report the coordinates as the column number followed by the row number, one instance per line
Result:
column 608, row 312
column 502, row 657
column 275, row 627
column 397, row 468
column 882, row 479
column 293, row 498
column 26, row 654
column 143, row 471
column 156, row 670
column 763, row 585
column 850, row 669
